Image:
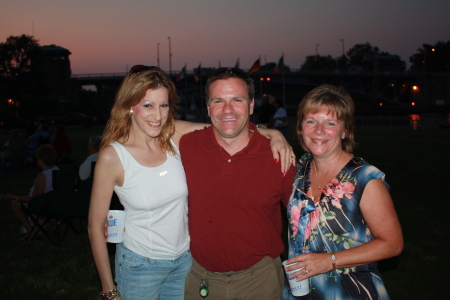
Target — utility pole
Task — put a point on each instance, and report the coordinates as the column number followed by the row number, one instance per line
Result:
column 157, row 51
column 170, row 58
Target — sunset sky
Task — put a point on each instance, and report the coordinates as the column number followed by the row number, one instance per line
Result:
column 108, row 36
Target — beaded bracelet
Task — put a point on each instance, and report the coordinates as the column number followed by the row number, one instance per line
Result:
column 111, row 295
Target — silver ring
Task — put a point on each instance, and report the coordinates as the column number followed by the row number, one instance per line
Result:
column 306, row 271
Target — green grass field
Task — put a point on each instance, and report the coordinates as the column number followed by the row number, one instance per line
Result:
column 416, row 164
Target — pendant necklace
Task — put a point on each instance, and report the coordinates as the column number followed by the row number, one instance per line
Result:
column 320, row 187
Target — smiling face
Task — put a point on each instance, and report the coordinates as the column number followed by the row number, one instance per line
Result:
column 230, row 108
column 151, row 113
column 323, row 133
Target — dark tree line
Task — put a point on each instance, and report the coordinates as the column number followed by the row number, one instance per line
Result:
column 19, row 81
column 432, row 58
column 20, row 86
column 16, row 55
column 359, row 58
column 365, row 57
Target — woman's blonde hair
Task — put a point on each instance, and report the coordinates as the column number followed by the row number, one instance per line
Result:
column 336, row 101
column 132, row 91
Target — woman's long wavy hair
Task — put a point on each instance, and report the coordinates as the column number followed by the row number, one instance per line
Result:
column 132, row 91
column 336, row 101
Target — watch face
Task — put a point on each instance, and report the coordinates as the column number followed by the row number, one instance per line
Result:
column 333, row 257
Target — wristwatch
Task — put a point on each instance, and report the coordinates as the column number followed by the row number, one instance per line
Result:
column 333, row 261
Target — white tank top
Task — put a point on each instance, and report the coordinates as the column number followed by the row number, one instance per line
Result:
column 48, row 181
column 155, row 200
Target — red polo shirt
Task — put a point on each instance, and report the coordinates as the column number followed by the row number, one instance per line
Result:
column 234, row 201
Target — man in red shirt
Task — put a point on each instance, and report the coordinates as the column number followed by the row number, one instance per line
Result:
column 235, row 191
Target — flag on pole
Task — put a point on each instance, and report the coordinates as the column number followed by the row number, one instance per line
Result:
column 280, row 65
column 197, row 73
column 182, row 74
column 237, row 64
column 255, row 67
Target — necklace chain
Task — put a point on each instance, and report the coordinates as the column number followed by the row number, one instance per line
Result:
column 320, row 187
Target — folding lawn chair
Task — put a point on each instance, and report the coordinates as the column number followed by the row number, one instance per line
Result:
column 64, row 205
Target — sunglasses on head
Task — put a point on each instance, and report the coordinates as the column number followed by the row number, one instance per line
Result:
column 234, row 71
column 141, row 68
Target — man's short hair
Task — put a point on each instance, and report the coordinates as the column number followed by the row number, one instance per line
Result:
column 226, row 73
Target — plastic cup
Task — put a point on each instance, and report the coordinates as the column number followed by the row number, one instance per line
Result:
column 298, row 288
column 116, row 225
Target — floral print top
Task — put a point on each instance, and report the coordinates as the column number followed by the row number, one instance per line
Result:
column 332, row 224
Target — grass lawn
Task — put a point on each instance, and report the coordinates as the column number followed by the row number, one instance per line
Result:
column 417, row 167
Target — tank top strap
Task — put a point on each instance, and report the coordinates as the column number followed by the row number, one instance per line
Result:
column 124, row 156
column 177, row 151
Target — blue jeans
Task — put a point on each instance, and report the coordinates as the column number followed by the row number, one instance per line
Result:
column 139, row 277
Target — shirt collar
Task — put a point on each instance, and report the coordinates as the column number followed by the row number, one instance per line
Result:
column 253, row 145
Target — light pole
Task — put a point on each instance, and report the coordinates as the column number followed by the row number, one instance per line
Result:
column 426, row 56
column 157, row 53
column 317, row 52
column 343, row 48
column 170, row 58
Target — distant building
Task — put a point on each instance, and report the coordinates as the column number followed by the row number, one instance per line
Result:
column 54, row 65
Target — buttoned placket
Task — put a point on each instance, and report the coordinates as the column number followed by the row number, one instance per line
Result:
column 227, row 162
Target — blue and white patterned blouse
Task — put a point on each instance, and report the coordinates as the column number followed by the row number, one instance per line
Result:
column 332, row 224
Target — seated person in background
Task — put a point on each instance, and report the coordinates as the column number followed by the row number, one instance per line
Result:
column 46, row 158
column 70, row 197
column 13, row 148
column 61, row 142
column 93, row 147
column 40, row 137
column 280, row 120
column 266, row 111
column 86, row 172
